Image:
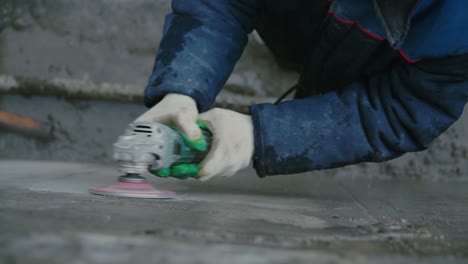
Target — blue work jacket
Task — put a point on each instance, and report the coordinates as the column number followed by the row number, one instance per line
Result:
column 379, row 78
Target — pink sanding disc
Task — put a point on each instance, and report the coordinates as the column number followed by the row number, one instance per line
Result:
column 132, row 189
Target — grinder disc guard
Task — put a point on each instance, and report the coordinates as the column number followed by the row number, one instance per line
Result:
column 134, row 186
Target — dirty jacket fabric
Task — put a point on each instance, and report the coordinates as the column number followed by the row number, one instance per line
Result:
column 378, row 78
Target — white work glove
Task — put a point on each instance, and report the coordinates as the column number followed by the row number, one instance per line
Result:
column 177, row 110
column 232, row 146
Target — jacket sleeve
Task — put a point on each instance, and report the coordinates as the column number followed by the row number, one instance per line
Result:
column 402, row 110
column 202, row 41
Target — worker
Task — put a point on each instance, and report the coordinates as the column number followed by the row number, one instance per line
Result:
column 378, row 79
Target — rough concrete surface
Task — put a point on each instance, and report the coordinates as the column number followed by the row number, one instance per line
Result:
column 47, row 216
column 109, row 41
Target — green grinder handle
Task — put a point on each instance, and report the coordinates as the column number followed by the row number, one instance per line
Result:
column 194, row 151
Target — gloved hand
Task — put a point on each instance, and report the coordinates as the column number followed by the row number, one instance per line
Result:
column 177, row 110
column 232, row 146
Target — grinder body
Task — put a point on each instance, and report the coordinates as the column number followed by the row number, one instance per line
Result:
column 148, row 146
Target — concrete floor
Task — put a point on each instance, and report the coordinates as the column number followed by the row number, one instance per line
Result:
column 47, row 216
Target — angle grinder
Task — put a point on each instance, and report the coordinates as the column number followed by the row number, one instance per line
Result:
column 148, row 146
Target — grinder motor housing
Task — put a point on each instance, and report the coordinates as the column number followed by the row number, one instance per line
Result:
column 152, row 146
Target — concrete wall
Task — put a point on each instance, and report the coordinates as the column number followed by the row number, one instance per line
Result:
column 115, row 41
column 108, row 41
